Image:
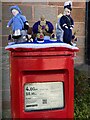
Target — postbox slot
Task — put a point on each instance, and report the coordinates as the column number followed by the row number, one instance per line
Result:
column 59, row 71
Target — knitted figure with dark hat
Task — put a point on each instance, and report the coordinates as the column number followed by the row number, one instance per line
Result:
column 65, row 24
column 19, row 25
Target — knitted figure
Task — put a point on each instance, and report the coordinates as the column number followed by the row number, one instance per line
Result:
column 19, row 25
column 65, row 24
column 59, row 30
column 42, row 28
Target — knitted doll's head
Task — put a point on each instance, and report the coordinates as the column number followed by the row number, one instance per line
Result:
column 15, row 10
column 67, row 11
column 67, row 8
column 42, row 18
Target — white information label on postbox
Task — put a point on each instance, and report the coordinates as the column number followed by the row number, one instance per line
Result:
column 46, row 95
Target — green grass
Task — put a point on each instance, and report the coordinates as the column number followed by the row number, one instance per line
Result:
column 82, row 96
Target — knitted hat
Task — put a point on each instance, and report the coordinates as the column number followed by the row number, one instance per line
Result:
column 68, row 4
column 15, row 7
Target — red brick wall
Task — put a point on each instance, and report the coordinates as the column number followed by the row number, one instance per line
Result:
column 34, row 10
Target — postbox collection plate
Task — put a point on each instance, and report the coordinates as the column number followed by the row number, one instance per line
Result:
column 44, row 95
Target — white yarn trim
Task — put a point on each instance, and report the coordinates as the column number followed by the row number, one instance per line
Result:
column 68, row 2
column 33, row 45
column 64, row 24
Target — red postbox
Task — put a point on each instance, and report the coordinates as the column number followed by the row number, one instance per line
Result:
column 42, row 82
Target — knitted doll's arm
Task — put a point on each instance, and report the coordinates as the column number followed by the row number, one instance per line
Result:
column 63, row 23
column 49, row 27
column 72, row 23
column 26, row 24
column 10, row 22
column 23, row 18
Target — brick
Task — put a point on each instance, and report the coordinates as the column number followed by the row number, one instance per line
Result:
column 81, row 52
column 4, row 41
column 75, row 4
column 11, row 3
column 79, row 4
column 81, row 42
column 35, row 3
column 79, row 59
column 49, row 12
column 78, row 14
column 5, row 30
column 56, row 3
column 79, row 1
column 80, row 27
column 60, row 10
column 6, row 12
column 27, row 11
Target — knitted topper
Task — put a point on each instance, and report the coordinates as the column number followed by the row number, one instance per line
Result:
column 65, row 24
column 19, row 25
column 43, row 28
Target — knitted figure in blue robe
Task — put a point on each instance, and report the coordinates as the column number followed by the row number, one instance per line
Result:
column 65, row 24
column 19, row 24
